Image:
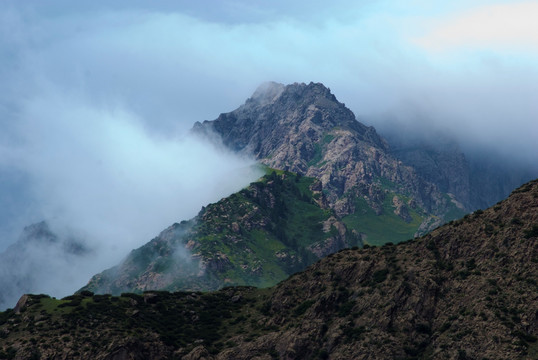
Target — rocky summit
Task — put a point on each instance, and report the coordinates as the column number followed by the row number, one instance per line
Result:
column 467, row 290
column 304, row 129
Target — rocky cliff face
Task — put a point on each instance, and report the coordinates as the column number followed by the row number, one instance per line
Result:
column 493, row 177
column 304, row 129
column 443, row 164
column 467, row 290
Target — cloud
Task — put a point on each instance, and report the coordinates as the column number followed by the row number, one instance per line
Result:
column 100, row 169
column 98, row 174
column 175, row 63
column 497, row 26
column 44, row 262
column 184, row 63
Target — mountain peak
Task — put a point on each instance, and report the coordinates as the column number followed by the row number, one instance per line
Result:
column 38, row 232
column 304, row 129
column 313, row 93
column 276, row 114
column 267, row 92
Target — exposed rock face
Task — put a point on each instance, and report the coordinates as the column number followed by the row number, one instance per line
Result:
column 441, row 163
column 338, row 240
column 20, row 304
column 400, row 209
column 304, row 129
column 493, row 178
column 467, row 290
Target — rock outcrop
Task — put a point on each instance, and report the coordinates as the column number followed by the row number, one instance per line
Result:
column 476, row 178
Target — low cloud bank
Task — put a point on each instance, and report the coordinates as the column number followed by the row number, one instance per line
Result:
column 99, row 175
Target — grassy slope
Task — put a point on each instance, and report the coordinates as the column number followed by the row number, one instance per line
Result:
column 389, row 227
column 384, row 228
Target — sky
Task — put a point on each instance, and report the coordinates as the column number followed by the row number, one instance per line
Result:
column 97, row 98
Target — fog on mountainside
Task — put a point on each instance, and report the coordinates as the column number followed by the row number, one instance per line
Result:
column 98, row 176
column 43, row 262
column 477, row 174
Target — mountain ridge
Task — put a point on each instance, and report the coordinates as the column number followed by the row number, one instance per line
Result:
column 467, row 290
column 374, row 197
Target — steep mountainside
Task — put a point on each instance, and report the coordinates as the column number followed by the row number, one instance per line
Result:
column 257, row 237
column 468, row 290
column 477, row 178
column 304, row 129
column 443, row 164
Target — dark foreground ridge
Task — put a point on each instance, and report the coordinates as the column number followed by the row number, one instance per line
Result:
column 465, row 291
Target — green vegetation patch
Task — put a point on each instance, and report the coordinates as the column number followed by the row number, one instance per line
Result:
column 384, row 228
column 317, row 156
column 273, row 206
column 453, row 212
